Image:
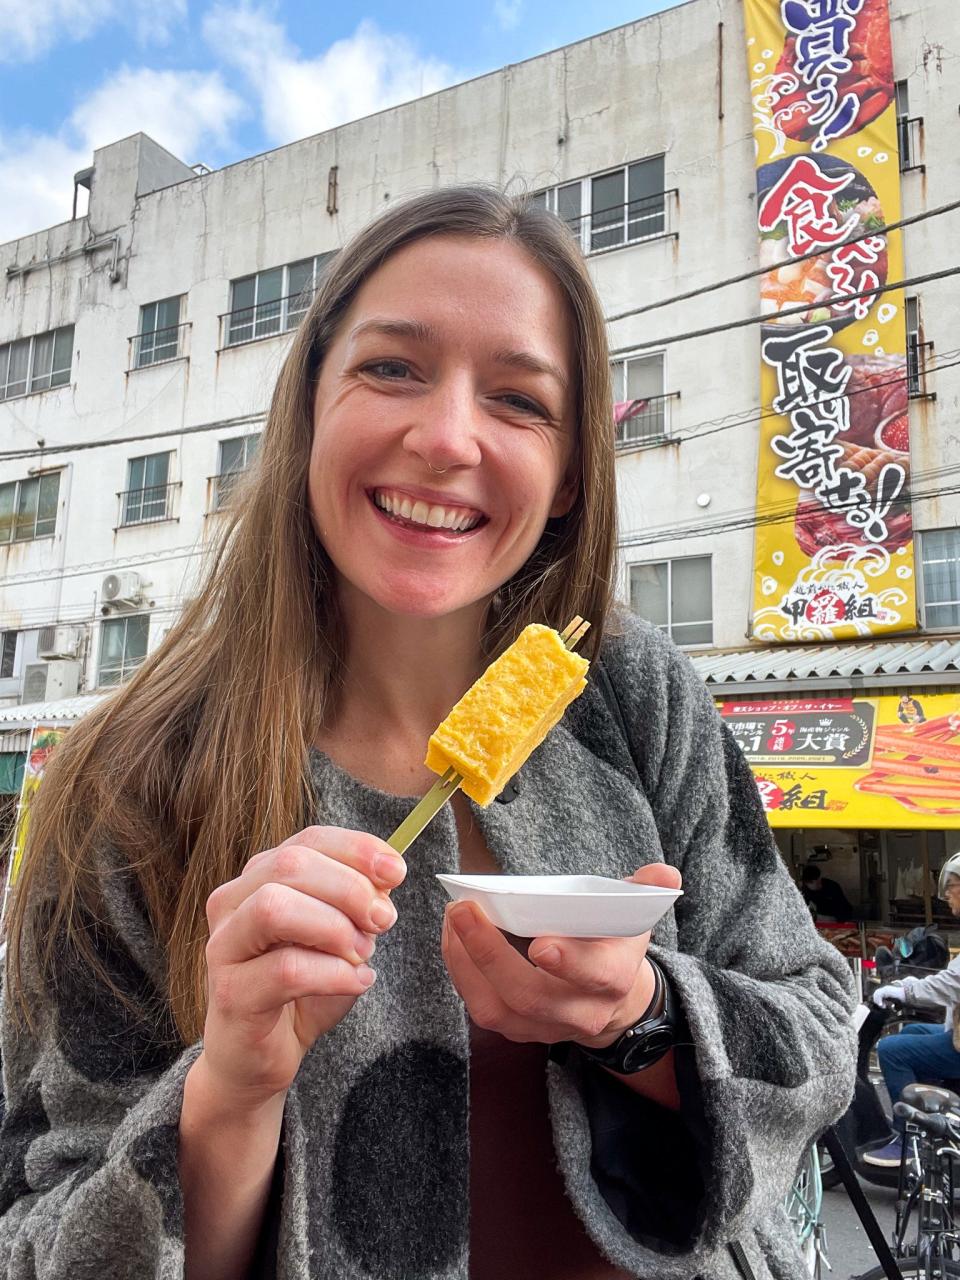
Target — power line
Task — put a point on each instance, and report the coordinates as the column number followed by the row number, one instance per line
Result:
column 695, row 432
column 751, row 519
column 755, row 272
column 802, row 309
column 49, row 450
column 9, row 455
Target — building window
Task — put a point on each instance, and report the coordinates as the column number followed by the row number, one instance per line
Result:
column 610, row 209
column 123, row 646
column 676, row 596
column 639, row 403
column 8, row 653
column 36, row 364
column 159, row 335
column 146, row 497
column 236, row 456
column 908, row 129
column 940, row 557
column 28, row 508
column 916, row 350
column 273, row 301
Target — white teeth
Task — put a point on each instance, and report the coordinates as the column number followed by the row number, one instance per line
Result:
column 419, row 512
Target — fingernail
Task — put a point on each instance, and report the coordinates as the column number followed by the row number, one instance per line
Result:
column 462, row 920
column 366, row 975
column 548, row 958
column 383, row 914
column 387, row 866
column 364, row 945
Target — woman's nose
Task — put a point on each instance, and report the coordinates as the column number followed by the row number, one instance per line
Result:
column 445, row 428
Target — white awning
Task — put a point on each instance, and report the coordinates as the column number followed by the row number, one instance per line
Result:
column 880, row 664
column 60, row 711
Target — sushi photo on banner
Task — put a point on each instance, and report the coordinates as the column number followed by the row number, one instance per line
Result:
column 834, row 539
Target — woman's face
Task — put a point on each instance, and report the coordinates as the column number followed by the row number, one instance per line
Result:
column 456, row 356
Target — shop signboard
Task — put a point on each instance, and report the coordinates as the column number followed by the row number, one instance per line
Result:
column 834, row 537
column 42, row 742
column 854, row 762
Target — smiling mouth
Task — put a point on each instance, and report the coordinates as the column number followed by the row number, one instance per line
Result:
column 428, row 517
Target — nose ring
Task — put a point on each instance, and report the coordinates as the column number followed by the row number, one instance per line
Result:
column 437, row 471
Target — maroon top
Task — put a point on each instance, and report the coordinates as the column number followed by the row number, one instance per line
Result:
column 521, row 1220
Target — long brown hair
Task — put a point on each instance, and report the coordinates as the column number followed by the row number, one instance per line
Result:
column 201, row 759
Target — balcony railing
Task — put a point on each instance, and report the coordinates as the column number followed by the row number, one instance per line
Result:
column 643, row 422
column 158, row 346
column 148, row 505
column 648, row 219
column 220, row 489
column 918, row 359
column 265, row 319
column 910, row 143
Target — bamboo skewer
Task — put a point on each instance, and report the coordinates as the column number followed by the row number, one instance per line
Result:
column 441, row 791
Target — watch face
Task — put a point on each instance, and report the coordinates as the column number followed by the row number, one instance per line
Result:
column 646, row 1049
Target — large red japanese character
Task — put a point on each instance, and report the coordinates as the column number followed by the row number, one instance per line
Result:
column 801, row 198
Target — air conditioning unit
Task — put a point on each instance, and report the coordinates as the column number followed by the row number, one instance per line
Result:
column 59, row 642
column 45, row 681
column 122, row 590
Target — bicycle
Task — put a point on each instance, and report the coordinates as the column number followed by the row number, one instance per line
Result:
column 804, row 1203
column 925, row 1189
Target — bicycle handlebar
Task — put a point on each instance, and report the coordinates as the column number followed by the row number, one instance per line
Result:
column 937, row 1125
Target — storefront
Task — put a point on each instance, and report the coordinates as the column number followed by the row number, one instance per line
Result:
column 856, row 752
column 28, row 734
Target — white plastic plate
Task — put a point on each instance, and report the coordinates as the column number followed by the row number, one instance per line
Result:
column 568, row 906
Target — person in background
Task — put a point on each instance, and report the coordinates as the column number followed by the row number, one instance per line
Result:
column 825, row 897
column 922, row 1050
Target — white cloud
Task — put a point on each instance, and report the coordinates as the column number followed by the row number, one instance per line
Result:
column 185, row 111
column 29, row 29
column 363, row 73
column 507, row 13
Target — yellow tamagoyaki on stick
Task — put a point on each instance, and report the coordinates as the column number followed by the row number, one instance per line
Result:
column 508, row 712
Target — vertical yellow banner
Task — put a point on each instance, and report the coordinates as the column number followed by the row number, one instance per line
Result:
column 834, row 543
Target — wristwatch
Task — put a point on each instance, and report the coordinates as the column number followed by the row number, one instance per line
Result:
column 648, row 1040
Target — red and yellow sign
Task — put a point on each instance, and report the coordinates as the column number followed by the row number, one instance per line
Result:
column 45, row 738
column 834, row 542
column 854, row 762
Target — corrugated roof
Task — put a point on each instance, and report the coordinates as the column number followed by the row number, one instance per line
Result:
column 877, row 663
column 59, row 711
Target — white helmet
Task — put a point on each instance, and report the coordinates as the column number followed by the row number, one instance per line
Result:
column 951, row 868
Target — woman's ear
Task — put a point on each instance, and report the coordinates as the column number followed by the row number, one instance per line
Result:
column 565, row 497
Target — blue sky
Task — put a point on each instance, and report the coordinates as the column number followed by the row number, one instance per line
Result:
column 216, row 80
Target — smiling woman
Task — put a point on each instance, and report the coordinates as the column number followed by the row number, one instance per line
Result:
column 197, row 1057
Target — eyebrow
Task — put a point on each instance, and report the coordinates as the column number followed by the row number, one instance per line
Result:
column 428, row 336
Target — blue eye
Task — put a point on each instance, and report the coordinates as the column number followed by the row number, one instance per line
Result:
column 525, row 405
column 383, row 368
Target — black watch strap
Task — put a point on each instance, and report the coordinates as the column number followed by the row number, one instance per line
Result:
column 649, row 1039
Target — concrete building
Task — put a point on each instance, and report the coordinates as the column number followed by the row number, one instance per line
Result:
column 139, row 343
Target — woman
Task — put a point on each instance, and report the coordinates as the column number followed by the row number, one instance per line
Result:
column 209, row 1082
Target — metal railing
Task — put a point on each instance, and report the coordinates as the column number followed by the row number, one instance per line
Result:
column 158, row 346
column 910, row 143
column 147, row 505
column 279, row 315
column 643, row 421
column 648, row 219
column 918, row 356
column 220, row 489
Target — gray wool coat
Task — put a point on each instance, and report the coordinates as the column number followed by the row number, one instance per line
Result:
column 375, row 1152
